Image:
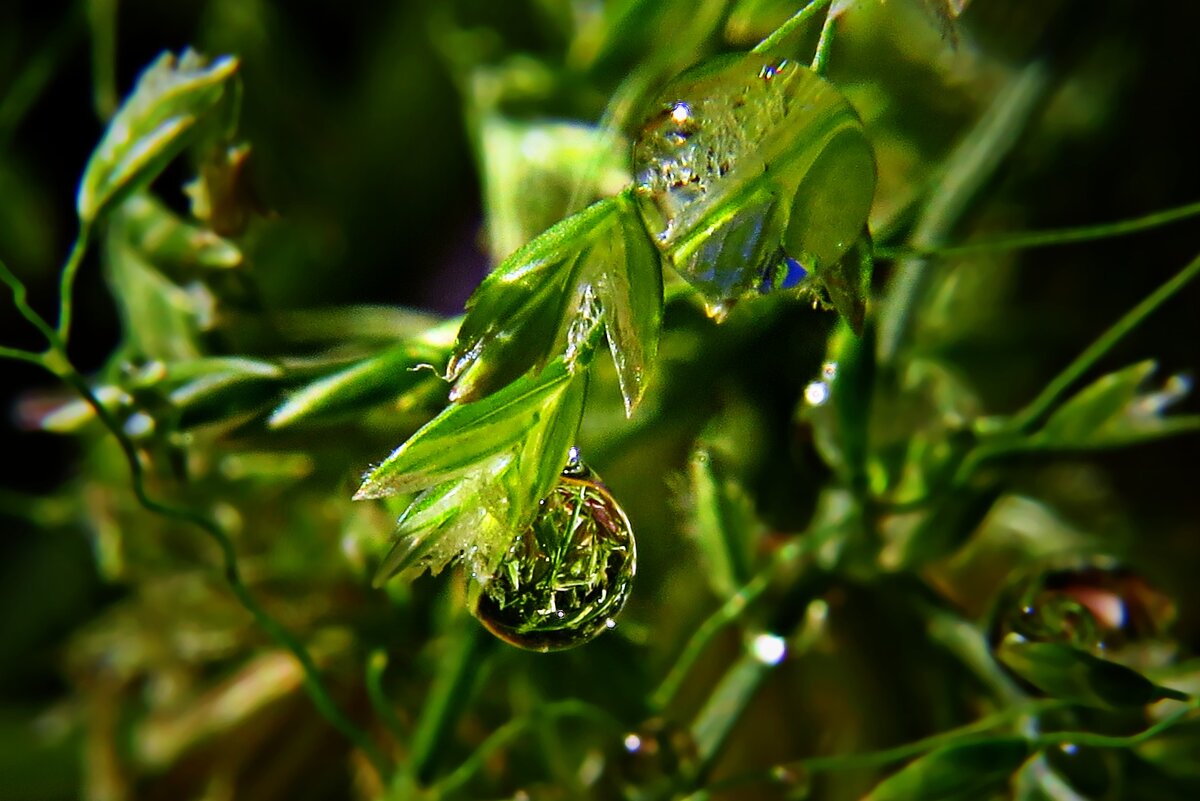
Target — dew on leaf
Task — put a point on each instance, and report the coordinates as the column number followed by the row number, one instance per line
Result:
column 567, row 576
column 753, row 172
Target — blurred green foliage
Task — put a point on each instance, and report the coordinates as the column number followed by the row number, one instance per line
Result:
column 832, row 529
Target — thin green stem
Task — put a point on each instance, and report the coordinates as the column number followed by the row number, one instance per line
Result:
column 963, row 175
column 376, row 665
column 21, row 301
column 67, row 282
column 784, row 31
column 447, row 698
column 22, row 355
column 1037, row 409
column 1051, row 238
column 513, row 729
column 57, row 362
column 102, row 18
column 1109, row 741
column 733, row 608
column 820, row 62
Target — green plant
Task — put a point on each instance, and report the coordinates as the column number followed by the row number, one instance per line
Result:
column 844, row 489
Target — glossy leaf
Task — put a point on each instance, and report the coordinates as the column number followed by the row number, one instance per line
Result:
column 525, row 307
column 152, row 126
column 1068, row 673
column 375, row 379
column 746, row 162
column 1113, row 411
column 964, row 772
column 630, row 289
column 466, row 435
column 477, row 498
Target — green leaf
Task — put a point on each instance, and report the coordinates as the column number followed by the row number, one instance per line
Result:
column 1068, row 673
column 524, row 308
column 467, row 435
column 745, row 161
column 369, row 381
column 630, row 289
column 152, row 126
column 161, row 320
column 167, row 241
column 724, row 523
column 964, row 772
column 1112, row 412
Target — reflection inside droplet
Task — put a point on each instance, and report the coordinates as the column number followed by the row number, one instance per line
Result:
column 681, row 112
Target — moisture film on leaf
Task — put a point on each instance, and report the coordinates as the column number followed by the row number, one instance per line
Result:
column 152, row 126
column 747, row 162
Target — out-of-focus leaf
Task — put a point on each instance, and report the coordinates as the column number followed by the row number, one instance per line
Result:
column 369, row 381
column 523, row 309
column 152, row 126
column 532, row 173
column 956, row 773
column 1074, row 675
column 167, row 241
column 221, row 194
column 724, row 523
column 631, row 298
column 161, row 319
column 465, row 435
column 1111, row 412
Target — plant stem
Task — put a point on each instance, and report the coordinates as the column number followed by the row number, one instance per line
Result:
column 376, row 665
column 513, row 729
column 1042, row 239
column 1109, row 741
column 966, row 170
column 57, row 362
column 820, row 62
column 781, row 34
column 67, row 282
column 1040, row 406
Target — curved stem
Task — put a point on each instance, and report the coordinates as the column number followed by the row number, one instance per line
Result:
column 1050, row 394
column 376, row 665
column 1051, row 238
column 56, row 361
column 781, row 34
column 66, row 286
column 820, row 62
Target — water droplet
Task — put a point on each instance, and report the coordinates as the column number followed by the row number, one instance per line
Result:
column 816, row 393
column 1093, row 603
column 720, row 166
column 770, row 649
column 568, row 574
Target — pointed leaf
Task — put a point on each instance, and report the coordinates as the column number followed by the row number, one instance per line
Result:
column 369, row 381
column 963, row 772
column 1111, row 412
column 631, row 296
column 466, row 435
column 152, row 126
column 724, row 523
column 524, row 309
column 1071, row 674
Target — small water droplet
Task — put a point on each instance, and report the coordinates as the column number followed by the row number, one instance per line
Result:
column 769, row 649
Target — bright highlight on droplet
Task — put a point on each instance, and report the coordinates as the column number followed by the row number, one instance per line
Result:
column 816, row 393
column 770, row 649
column 632, row 743
column 680, row 113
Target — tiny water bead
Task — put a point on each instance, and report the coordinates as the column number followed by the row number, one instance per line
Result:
column 753, row 172
column 1096, row 604
column 567, row 576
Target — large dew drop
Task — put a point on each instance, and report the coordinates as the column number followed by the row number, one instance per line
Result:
column 566, row 577
column 746, row 164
